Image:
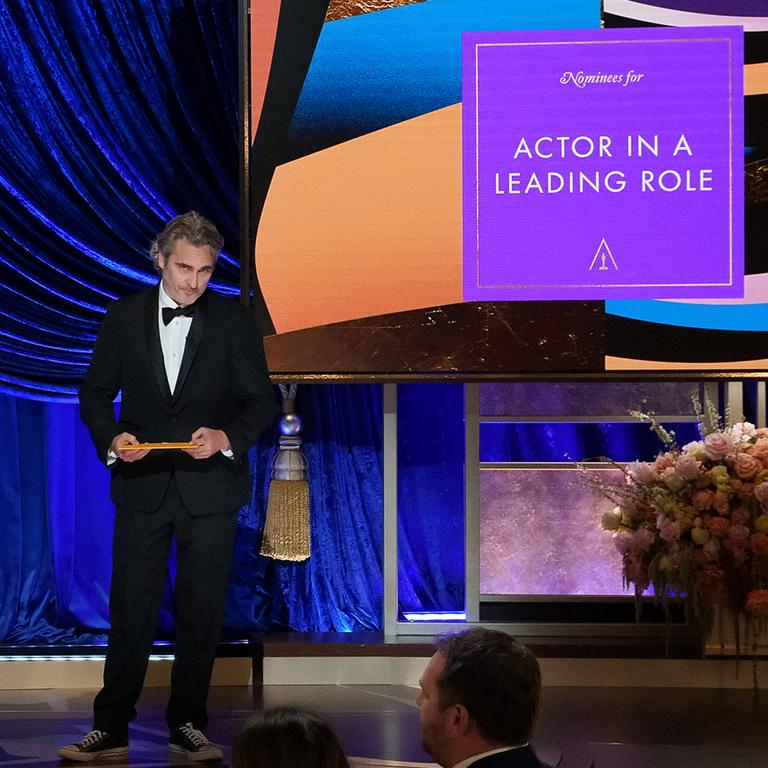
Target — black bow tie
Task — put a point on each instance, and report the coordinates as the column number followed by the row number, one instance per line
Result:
column 170, row 312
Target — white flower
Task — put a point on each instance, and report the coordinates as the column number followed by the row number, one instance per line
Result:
column 695, row 449
column 742, row 432
column 641, row 472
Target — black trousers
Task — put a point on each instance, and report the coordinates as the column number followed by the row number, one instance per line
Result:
column 140, row 555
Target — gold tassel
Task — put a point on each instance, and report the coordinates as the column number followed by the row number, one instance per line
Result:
column 286, row 533
column 286, row 530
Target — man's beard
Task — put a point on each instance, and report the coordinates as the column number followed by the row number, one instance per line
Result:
column 429, row 743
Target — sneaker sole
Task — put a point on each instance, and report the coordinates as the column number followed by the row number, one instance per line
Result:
column 196, row 757
column 113, row 755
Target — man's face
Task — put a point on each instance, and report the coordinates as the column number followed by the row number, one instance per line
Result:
column 186, row 271
column 431, row 716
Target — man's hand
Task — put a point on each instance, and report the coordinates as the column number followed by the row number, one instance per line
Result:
column 126, row 438
column 208, row 441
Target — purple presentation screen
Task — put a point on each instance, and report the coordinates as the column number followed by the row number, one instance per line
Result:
column 603, row 164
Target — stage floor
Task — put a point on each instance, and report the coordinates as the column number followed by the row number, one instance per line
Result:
column 580, row 727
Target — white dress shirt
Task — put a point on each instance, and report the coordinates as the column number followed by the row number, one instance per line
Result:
column 173, row 338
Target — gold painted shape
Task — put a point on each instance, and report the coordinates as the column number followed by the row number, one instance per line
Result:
column 343, row 9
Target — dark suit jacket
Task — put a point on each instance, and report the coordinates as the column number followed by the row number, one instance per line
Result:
column 222, row 384
column 524, row 757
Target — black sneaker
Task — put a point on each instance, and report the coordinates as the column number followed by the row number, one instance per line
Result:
column 187, row 742
column 97, row 745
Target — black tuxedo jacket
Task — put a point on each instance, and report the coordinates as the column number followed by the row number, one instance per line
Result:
column 222, row 384
column 524, row 757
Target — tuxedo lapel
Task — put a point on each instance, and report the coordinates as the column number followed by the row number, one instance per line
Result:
column 153, row 342
column 194, row 337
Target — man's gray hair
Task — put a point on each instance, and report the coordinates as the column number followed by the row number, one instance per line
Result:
column 193, row 228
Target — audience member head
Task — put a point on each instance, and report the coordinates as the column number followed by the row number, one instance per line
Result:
column 480, row 691
column 193, row 228
column 284, row 737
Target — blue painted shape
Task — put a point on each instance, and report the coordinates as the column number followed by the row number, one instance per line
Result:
column 721, row 317
column 379, row 69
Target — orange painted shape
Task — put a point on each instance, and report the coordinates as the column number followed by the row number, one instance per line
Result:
column 629, row 364
column 368, row 227
column 755, row 79
column 264, row 15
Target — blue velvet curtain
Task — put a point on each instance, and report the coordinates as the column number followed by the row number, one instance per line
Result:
column 55, row 551
column 430, row 493
column 114, row 116
column 55, row 547
column 339, row 588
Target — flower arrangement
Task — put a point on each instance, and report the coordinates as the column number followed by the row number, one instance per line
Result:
column 693, row 523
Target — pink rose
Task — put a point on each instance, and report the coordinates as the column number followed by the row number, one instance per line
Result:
column 664, row 460
column 738, row 534
column 717, row 445
column 721, row 503
column 739, row 516
column 687, row 467
column 759, row 544
column 746, row 466
column 703, row 499
column 718, row 526
column 669, row 530
column 760, row 451
column 761, row 493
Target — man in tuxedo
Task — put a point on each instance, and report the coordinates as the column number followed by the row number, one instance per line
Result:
column 479, row 702
column 190, row 367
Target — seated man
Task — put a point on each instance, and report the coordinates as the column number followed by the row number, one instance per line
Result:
column 479, row 702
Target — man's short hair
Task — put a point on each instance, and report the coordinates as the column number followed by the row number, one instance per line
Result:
column 193, row 228
column 496, row 678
